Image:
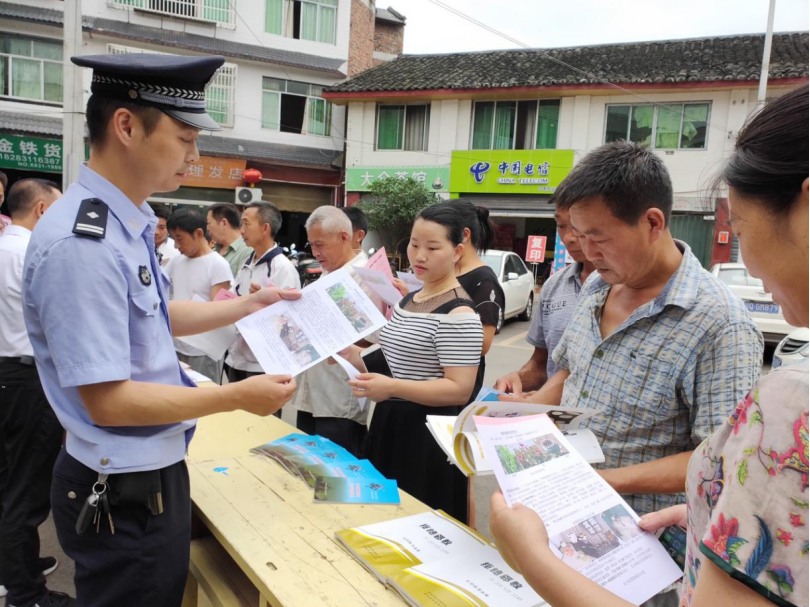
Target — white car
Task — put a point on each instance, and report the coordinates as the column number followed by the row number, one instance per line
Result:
column 793, row 349
column 766, row 314
column 516, row 281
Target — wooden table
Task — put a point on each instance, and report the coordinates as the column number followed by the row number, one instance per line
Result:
column 270, row 526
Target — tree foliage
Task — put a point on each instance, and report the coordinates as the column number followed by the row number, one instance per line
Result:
column 393, row 205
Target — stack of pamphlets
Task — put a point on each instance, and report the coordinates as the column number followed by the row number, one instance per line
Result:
column 333, row 473
column 458, row 437
column 431, row 559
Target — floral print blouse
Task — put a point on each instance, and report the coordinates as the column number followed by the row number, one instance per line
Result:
column 747, row 495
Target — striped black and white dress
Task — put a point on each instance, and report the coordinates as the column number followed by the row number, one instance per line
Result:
column 419, row 342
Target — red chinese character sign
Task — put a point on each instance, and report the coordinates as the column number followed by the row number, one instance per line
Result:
column 536, row 249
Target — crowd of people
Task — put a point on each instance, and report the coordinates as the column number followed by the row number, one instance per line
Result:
column 99, row 289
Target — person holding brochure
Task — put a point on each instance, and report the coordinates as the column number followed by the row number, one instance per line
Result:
column 747, row 484
column 99, row 318
column 325, row 403
column 264, row 266
column 656, row 343
column 433, row 348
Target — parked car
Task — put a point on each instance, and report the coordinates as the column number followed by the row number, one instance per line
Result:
column 517, row 283
column 766, row 314
column 793, row 349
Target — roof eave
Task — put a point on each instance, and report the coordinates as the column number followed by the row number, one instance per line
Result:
column 344, row 97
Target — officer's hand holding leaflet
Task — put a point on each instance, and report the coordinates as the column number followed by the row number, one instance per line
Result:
column 154, row 404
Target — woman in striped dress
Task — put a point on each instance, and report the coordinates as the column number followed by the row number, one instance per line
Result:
column 433, row 347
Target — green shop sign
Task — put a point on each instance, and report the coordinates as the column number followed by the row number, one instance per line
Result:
column 31, row 154
column 509, row 171
column 436, row 178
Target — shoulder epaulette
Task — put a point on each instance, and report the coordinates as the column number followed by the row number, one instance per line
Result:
column 91, row 220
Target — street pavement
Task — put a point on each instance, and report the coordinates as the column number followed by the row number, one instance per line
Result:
column 508, row 353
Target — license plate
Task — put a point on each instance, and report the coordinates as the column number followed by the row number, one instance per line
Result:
column 767, row 308
column 777, row 362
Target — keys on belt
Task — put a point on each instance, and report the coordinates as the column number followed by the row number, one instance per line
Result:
column 135, row 488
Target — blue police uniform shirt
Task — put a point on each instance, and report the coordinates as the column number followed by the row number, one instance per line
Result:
column 96, row 311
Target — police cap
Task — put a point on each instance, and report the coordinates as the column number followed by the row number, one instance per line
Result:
column 171, row 83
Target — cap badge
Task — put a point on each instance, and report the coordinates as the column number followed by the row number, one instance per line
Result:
column 133, row 94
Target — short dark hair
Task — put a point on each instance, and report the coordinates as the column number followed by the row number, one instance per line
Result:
column 446, row 216
column 187, row 220
column 162, row 212
column 357, row 217
column 100, row 111
column 3, row 180
column 268, row 213
column 476, row 220
column 769, row 163
column 627, row 176
column 24, row 193
column 227, row 211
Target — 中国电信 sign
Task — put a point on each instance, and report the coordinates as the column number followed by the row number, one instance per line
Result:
column 509, row 171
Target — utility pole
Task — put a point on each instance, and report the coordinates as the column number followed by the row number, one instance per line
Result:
column 766, row 58
column 73, row 102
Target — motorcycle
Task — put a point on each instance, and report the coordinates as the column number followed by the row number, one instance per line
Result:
column 309, row 270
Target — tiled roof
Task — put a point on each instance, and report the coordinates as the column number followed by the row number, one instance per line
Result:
column 390, row 15
column 673, row 61
column 164, row 37
column 30, row 124
column 210, row 145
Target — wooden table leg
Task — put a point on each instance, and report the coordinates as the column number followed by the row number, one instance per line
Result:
column 190, row 595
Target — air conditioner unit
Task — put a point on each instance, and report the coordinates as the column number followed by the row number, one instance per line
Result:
column 247, row 195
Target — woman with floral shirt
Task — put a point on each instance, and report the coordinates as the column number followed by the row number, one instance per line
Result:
column 747, row 512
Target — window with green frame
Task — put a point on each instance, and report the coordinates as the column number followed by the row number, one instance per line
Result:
column 515, row 125
column 403, row 127
column 295, row 107
column 314, row 20
column 661, row 126
column 30, row 69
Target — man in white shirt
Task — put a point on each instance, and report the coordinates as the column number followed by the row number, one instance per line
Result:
column 266, row 266
column 30, row 434
column 325, row 403
column 164, row 245
column 197, row 271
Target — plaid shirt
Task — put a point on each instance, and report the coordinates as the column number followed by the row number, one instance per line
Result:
column 668, row 376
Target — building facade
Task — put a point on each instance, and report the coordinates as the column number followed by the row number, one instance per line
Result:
column 505, row 127
column 268, row 97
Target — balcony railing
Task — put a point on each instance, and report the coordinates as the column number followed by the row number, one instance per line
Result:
column 221, row 12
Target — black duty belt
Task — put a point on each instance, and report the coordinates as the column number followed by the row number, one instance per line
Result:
column 28, row 361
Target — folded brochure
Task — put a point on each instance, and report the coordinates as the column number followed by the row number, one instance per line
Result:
column 458, row 437
column 590, row 527
column 335, row 474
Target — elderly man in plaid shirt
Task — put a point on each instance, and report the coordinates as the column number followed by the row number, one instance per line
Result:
column 657, row 344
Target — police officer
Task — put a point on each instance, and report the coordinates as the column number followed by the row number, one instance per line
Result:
column 101, row 325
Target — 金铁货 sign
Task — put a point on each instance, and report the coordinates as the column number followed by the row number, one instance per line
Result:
column 509, row 171
column 31, row 154
column 435, row 178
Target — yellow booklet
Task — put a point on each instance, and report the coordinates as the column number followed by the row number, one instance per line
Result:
column 392, row 546
column 481, row 579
